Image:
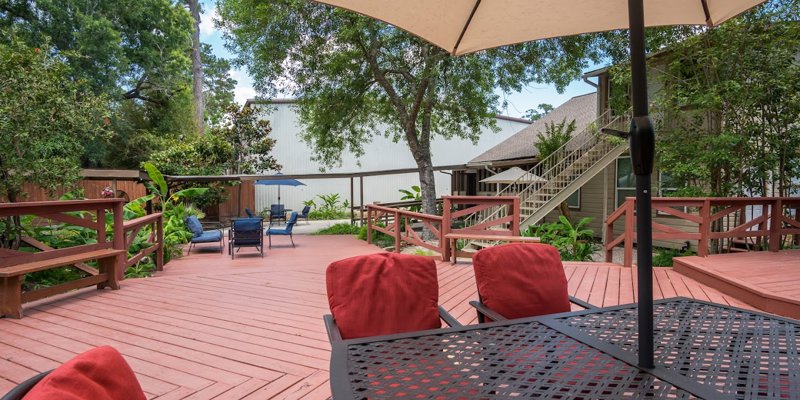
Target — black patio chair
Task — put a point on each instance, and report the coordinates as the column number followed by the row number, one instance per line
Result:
column 246, row 232
column 381, row 294
column 277, row 212
column 520, row 280
column 304, row 214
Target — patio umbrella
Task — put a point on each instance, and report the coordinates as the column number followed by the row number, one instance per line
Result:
column 280, row 182
column 466, row 26
column 513, row 175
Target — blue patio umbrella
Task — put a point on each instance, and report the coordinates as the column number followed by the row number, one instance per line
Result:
column 280, row 182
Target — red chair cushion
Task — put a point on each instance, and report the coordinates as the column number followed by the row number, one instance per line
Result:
column 381, row 294
column 98, row 374
column 521, row 280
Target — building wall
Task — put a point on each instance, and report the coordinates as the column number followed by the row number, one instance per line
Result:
column 380, row 154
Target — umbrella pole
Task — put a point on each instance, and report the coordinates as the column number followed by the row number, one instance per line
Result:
column 642, row 148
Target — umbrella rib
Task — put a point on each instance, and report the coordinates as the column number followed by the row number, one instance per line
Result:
column 469, row 21
column 709, row 22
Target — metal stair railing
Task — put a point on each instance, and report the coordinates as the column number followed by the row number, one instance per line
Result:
column 556, row 171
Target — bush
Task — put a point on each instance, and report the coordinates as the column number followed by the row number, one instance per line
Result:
column 326, row 215
column 663, row 257
column 574, row 242
column 339, row 229
column 379, row 239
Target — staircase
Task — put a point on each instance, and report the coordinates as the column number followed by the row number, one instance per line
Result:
column 563, row 172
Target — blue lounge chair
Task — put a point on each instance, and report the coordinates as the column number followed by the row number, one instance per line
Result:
column 286, row 231
column 246, row 232
column 249, row 213
column 304, row 214
column 277, row 212
column 201, row 236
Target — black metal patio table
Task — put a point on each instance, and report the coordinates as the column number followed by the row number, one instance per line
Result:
column 702, row 350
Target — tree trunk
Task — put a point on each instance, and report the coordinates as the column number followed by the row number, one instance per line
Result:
column 197, row 69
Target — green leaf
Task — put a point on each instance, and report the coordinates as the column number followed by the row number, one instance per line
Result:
column 157, row 178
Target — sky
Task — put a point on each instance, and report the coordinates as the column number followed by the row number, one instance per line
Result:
column 518, row 103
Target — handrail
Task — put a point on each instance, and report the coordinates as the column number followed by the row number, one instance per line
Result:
column 134, row 223
column 132, row 227
column 439, row 226
column 725, row 214
column 552, row 167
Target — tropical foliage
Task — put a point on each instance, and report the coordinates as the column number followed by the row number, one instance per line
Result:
column 574, row 242
column 339, row 229
column 330, row 207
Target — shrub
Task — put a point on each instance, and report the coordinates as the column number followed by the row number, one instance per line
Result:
column 663, row 257
column 339, row 229
column 574, row 242
column 331, row 207
column 379, row 239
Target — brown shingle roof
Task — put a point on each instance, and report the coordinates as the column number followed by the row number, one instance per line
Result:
column 583, row 109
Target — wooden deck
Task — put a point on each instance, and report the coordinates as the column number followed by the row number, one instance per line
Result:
column 212, row 328
column 769, row 281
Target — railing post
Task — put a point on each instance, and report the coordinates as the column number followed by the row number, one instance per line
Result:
column 775, row 225
column 160, row 243
column 705, row 228
column 797, row 219
column 369, row 225
column 629, row 232
column 397, row 231
column 119, row 242
column 515, row 221
column 608, row 237
column 444, row 244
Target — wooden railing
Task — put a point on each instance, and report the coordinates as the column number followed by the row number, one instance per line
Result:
column 709, row 221
column 94, row 218
column 398, row 223
column 156, row 239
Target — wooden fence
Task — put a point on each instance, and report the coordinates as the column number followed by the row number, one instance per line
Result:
column 716, row 219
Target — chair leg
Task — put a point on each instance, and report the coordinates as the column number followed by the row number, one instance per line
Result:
column 292, row 239
column 190, row 248
column 270, row 241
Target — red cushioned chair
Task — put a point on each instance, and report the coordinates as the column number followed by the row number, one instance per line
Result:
column 381, row 294
column 520, row 280
column 98, row 374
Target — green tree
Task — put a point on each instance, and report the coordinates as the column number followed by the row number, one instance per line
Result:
column 548, row 142
column 554, row 136
column 248, row 135
column 352, row 74
column 240, row 144
column 534, row 114
column 732, row 109
column 218, row 86
column 128, row 49
column 45, row 116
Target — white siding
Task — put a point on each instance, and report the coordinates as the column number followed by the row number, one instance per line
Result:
column 381, row 154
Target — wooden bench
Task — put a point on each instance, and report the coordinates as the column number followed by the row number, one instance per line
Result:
column 453, row 237
column 12, row 298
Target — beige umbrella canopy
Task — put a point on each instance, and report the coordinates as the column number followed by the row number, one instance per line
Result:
column 514, row 175
column 466, row 26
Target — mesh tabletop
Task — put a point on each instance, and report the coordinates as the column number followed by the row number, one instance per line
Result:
column 515, row 361
column 742, row 354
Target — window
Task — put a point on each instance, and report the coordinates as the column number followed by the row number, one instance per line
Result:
column 626, row 180
column 574, row 200
column 667, row 186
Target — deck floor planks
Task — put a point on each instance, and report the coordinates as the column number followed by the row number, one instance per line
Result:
column 769, row 280
column 213, row 328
